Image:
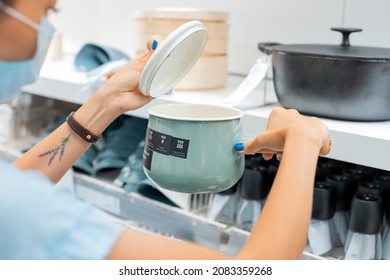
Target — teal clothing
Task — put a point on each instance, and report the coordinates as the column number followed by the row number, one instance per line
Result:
column 38, row 221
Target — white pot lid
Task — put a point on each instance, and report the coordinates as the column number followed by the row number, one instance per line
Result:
column 173, row 59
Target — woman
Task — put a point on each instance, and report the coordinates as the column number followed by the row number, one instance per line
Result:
column 40, row 222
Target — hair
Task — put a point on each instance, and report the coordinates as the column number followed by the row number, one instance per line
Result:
column 7, row 2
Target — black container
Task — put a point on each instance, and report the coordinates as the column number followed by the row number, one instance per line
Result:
column 335, row 81
column 384, row 181
column 357, row 175
column 254, row 161
column 326, row 168
column 371, row 188
column 273, row 169
column 344, row 191
column 366, row 214
column 253, row 185
column 324, row 201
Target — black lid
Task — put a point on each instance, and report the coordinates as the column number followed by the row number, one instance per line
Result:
column 337, row 52
column 344, row 191
column 370, row 187
column 330, row 165
column 357, row 174
column 344, row 51
column 368, row 170
column 324, row 201
column 384, row 180
column 251, row 185
column 324, row 169
column 366, row 215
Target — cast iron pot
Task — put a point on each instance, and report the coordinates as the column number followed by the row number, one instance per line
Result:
column 341, row 82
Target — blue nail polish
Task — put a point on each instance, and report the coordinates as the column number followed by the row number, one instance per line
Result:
column 154, row 45
column 239, row 147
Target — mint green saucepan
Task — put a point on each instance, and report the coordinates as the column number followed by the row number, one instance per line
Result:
column 189, row 147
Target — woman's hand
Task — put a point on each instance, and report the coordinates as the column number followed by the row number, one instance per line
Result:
column 283, row 124
column 122, row 88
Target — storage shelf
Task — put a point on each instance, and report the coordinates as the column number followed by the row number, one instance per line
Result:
column 136, row 211
column 363, row 143
column 59, row 80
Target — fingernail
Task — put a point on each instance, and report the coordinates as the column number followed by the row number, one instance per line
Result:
column 239, row 147
column 154, row 45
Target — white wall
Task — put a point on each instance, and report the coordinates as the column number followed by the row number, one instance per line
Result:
column 251, row 21
column 373, row 16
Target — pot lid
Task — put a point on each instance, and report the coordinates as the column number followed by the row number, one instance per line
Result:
column 343, row 51
column 173, row 59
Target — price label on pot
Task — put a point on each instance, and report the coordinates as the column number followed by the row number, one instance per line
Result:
column 164, row 144
column 158, row 142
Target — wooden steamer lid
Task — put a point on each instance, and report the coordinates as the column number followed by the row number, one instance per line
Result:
column 210, row 71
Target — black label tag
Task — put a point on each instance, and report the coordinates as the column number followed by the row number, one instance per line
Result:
column 147, row 158
column 166, row 144
column 179, row 147
column 160, row 143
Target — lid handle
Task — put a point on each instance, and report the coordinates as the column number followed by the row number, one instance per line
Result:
column 346, row 32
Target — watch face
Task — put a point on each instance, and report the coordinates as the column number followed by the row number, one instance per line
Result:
column 173, row 59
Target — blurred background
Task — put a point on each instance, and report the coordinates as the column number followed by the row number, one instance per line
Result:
column 250, row 22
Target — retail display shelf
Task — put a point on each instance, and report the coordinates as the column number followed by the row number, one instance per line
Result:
column 59, row 80
column 363, row 143
column 141, row 213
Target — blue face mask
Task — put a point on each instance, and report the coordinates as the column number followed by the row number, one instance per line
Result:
column 15, row 74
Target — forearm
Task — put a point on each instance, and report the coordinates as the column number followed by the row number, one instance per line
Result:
column 55, row 154
column 281, row 231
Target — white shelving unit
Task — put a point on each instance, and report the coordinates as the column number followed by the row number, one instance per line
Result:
column 363, row 143
column 59, row 80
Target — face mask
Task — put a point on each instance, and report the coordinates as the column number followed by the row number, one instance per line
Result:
column 14, row 75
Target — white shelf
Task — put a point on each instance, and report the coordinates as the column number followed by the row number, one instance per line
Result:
column 59, row 80
column 364, row 143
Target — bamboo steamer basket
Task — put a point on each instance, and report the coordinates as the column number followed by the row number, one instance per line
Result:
column 210, row 71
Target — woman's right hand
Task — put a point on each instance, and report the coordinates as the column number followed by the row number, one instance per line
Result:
column 122, row 90
column 284, row 124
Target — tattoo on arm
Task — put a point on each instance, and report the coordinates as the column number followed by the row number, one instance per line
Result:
column 54, row 152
